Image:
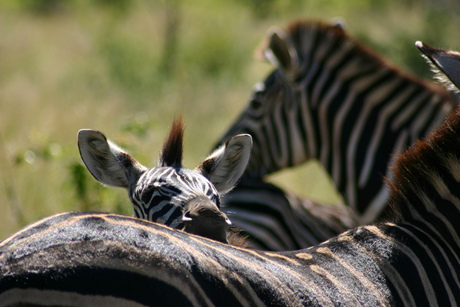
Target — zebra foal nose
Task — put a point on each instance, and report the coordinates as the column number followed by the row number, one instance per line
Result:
column 202, row 217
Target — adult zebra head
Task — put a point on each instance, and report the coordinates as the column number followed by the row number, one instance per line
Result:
column 169, row 193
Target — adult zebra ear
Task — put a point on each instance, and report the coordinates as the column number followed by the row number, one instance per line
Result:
column 339, row 23
column 107, row 162
column 225, row 166
column 281, row 52
column 444, row 64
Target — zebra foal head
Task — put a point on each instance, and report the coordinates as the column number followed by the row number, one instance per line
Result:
column 169, row 193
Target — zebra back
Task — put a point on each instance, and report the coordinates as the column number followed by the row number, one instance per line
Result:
column 333, row 99
column 77, row 259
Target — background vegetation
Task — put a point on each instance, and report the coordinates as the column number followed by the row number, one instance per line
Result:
column 128, row 67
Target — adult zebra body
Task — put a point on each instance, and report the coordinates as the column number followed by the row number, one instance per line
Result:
column 414, row 260
column 81, row 259
column 276, row 219
column 334, row 100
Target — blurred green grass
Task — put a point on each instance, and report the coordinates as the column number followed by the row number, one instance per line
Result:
column 128, row 67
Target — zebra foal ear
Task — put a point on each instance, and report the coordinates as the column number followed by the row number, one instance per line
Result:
column 225, row 166
column 109, row 164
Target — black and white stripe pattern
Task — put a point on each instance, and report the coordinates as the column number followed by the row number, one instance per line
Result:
column 277, row 220
column 340, row 103
column 171, row 194
column 161, row 193
column 77, row 259
column 334, row 100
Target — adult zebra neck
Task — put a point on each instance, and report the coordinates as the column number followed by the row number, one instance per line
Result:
column 427, row 180
column 333, row 99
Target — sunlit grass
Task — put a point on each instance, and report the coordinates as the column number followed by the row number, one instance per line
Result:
column 95, row 64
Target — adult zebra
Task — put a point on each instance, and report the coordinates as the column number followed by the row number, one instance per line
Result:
column 334, row 100
column 80, row 259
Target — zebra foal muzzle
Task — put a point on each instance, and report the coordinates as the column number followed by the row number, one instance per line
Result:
column 202, row 217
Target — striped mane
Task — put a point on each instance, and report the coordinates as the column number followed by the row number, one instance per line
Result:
column 427, row 175
column 308, row 35
column 171, row 153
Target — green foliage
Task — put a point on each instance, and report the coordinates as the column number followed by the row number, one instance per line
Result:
column 44, row 6
column 79, row 180
column 128, row 67
column 139, row 125
column 260, row 8
column 213, row 55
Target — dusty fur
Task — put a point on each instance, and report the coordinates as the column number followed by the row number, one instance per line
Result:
column 236, row 237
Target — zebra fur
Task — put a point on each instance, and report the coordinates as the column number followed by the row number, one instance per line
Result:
column 99, row 257
column 79, row 259
column 170, row 193
column 320, row 125
column 334, row 100
column 275, row 219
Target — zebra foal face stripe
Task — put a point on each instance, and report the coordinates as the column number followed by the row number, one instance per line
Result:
column 161, row 193
column 169, row 193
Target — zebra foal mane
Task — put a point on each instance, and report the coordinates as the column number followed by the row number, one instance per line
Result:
column 171, row 154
